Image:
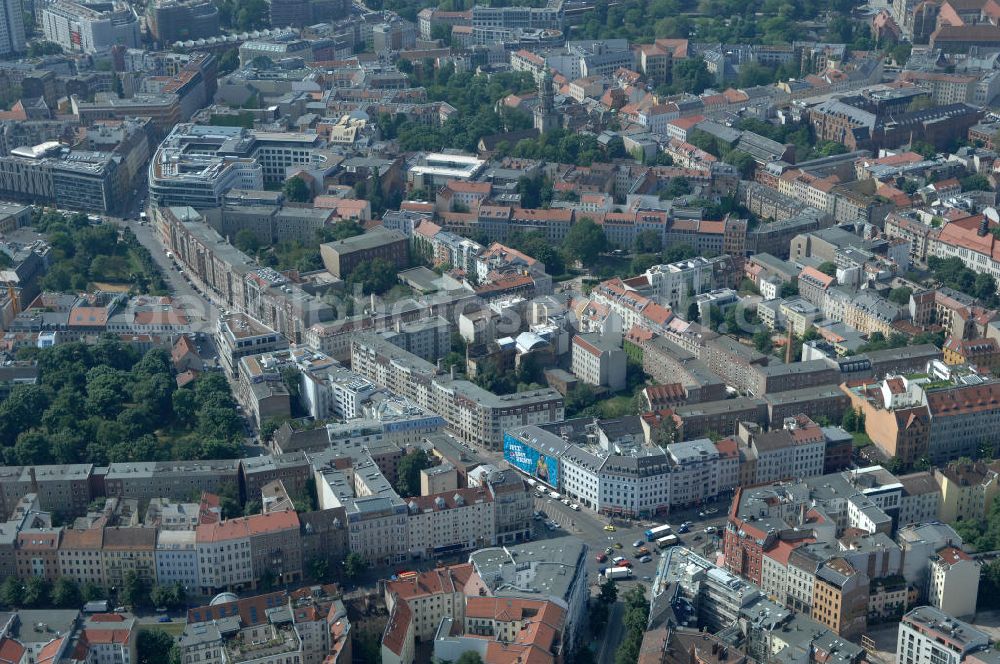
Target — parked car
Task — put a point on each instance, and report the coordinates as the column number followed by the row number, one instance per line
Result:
column 710, row 530
column 602, row 557
column 638, row 543
column 617, row 545
column 610, row 528
column 575, row 507
column 609, row 551
column 163, row 619
column 645, row 559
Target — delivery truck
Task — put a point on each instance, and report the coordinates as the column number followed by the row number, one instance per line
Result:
column 617, row 573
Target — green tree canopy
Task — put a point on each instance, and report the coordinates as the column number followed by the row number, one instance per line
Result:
column 354, row 565
column 66, row 594
column 376, row 276
column 155, row 646
column 409, row 469
column 247, row 242
column 828, row 268
column 585, row 241
column 296, row 190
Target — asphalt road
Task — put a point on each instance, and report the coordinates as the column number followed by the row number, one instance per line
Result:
column 613, row 634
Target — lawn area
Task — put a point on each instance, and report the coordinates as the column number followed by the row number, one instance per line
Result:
column 173, row 628
column 607, row 266
column 618, row 406
column 861, row 439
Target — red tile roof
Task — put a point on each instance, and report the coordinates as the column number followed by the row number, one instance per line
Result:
column 951, row 555
column 813, row 274
column 964, row 400
column 108, row 636
column 50, row 650
column 668, row 392
column 451, row 579
column 106, row 617
column 394, row 637
column 88, row 317
column 248, row 526
column 252, row 610
column 468, row 496
column 10, row 651
column 688, row 122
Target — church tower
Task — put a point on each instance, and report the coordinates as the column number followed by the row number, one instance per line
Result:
column 546, row 117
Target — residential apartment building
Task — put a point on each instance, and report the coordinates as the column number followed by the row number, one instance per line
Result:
column 58, row 488
column 928, row 635
column 417, row 607
column 275, row 547
column 376, row 526
column 126, row 551
column 473, row 413
column 840, row 598
column 967, row 490
column 225, row 561
column 798, row 449
column 456, row 520
column 597, row 360
column 179, row 480
column 943, row 416
column 513, row 506
column 239, row 336
column 308, row 625
column 80, row 556
column 555, row 573
column 177, row 558
column 922, row 498
column 37, row 553
column 953, row 584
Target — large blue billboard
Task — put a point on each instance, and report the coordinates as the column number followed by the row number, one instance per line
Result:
column 532, row 462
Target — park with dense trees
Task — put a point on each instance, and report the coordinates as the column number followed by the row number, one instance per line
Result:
column 84, row 254
column 106, row 403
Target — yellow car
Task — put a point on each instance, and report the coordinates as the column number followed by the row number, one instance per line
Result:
column 610, row 528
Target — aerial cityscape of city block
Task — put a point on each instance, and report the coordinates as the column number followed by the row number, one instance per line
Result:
column 499, row 332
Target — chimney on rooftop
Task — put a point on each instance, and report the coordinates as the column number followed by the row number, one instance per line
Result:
column 984, row 227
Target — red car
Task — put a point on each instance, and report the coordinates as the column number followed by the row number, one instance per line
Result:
column 602, row 557
column 624, row 563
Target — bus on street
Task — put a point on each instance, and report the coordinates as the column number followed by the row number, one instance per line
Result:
column 656, row 533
